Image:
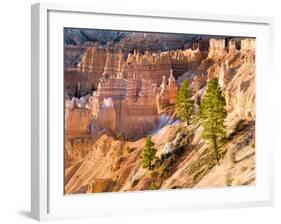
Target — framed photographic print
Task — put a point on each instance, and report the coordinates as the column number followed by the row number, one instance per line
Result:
column 148, row 111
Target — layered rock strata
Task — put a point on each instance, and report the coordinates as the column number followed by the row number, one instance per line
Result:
column 110, row 62
column 126, row 107
column 168, row 92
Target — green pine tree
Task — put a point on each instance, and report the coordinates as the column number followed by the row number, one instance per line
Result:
column 213, row 115
column 148, row 154
column 184, row 103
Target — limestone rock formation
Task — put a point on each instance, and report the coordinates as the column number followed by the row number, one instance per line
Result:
column 83, row 79
column 134, row 96
column 108, row 62
column 152, row 42
column 147, row 66
column 125, row 106
column 92, row 65
column 217, row 48
column 248, row 44
column 77, row 121
column 184, row 60
column 236, row 74
column 168, row 91
column 72, row 55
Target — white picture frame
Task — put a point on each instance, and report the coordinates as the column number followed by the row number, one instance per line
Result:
column 47, row 200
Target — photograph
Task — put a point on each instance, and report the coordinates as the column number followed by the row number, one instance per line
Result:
column 146, row 111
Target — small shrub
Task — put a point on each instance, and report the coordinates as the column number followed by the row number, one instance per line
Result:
column 179, row 129
column 129, row 149
column 153, row 186
column 120, row 136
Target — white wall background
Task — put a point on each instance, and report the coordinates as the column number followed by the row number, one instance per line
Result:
column 15, row 110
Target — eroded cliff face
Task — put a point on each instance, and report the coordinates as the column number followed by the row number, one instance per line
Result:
column 72, row 55
column 111, row 62
column 236, row 74
column 125, row 107
column 114, row 165
column 78, row 138
column 77, row 121
column 83, row 78
column 131, row 100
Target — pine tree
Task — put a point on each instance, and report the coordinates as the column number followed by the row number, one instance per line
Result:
column 148, row 154
column 213, row 115
column 184, row 103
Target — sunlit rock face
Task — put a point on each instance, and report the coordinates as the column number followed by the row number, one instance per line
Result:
column 141, row 117
column 168, row 92
column 114, row 62
column 240, row 92
column 147, row 66
column 152, row 42
column 217, row 48
column 77, row 121
column 110, row 62
column 91, row 67
column 83, row 78
column 184, row 60
column 77, row 116
column 125, row 107
column 236, row 74
column 248, row 44
column 93, row 62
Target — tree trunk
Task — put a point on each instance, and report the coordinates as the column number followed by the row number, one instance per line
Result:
column 216, row 150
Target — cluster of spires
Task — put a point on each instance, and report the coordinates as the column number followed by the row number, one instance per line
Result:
column 147, row 84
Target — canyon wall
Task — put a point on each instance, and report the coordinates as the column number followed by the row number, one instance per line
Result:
column 83, row 79
column 184, row 60
column 217, row 48
column 236, row 74
column 111, row 62
column 168, row 92
column 125, row 106
column 132, row 93
column 152, row 42
column 123, row 83
column 77, row 122
column 147, row 66
column 248, row 44
column 72, row 55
